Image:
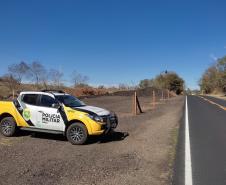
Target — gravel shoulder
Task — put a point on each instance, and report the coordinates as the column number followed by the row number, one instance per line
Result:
column 139, row 152
column 219, row 96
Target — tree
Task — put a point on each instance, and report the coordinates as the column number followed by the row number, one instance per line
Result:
column 174, row 83
column 169, row 80
column 221, row 74
column 160, row 81
column 146, row 83
column 123, row 86
column 214, row 77
column 79, row 79
column 18, row 71
column 9, row 81
column 38, row 74
column 56, row 77
column 210, row 80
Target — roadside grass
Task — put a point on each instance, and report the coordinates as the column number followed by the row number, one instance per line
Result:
column 172, row 152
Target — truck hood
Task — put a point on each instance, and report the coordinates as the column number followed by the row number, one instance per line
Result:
column 97, row 110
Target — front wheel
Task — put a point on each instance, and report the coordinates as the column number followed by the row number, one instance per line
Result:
column 77, row 134
column 8, row 126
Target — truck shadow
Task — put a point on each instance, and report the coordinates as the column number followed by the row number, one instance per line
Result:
column 111, row 137
column 40, row 135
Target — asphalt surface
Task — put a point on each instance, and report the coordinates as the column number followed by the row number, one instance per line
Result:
column 207, row 129
column 216, row 100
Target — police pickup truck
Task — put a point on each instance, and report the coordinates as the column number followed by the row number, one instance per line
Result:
column 55, row 112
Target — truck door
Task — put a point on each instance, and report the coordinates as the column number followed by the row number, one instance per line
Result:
column 48, row 116
column 29, row 108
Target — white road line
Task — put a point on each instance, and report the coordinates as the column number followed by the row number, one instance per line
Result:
column 188, row 165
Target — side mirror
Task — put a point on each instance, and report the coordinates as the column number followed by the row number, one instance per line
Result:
column 56, row 105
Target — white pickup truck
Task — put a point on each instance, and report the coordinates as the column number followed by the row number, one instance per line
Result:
column 55, row 112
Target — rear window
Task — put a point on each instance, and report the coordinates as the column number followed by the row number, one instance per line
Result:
column 30, row 99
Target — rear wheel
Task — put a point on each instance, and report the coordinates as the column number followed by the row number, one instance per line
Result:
column 8, row 126
column 77, row 134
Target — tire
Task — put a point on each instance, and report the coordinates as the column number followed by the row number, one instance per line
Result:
column 77, row 134
column 8, row 126
column 108, row 131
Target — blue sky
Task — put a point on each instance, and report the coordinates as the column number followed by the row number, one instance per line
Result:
column 114, row 41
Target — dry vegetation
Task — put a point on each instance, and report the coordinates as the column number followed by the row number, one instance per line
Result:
column 213, row 80
column 167, row 80
column 35, row 76
column 6, row 93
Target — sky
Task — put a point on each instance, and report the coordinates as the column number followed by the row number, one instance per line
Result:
column 114, row 41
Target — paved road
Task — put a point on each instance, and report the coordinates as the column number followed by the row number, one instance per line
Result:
column 207, row 131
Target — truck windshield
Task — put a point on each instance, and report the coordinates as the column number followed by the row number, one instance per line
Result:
column 70, row 101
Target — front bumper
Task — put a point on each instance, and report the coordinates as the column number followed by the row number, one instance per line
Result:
column 111, row 122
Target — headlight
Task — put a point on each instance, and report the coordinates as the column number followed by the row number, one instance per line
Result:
column 95, row 118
